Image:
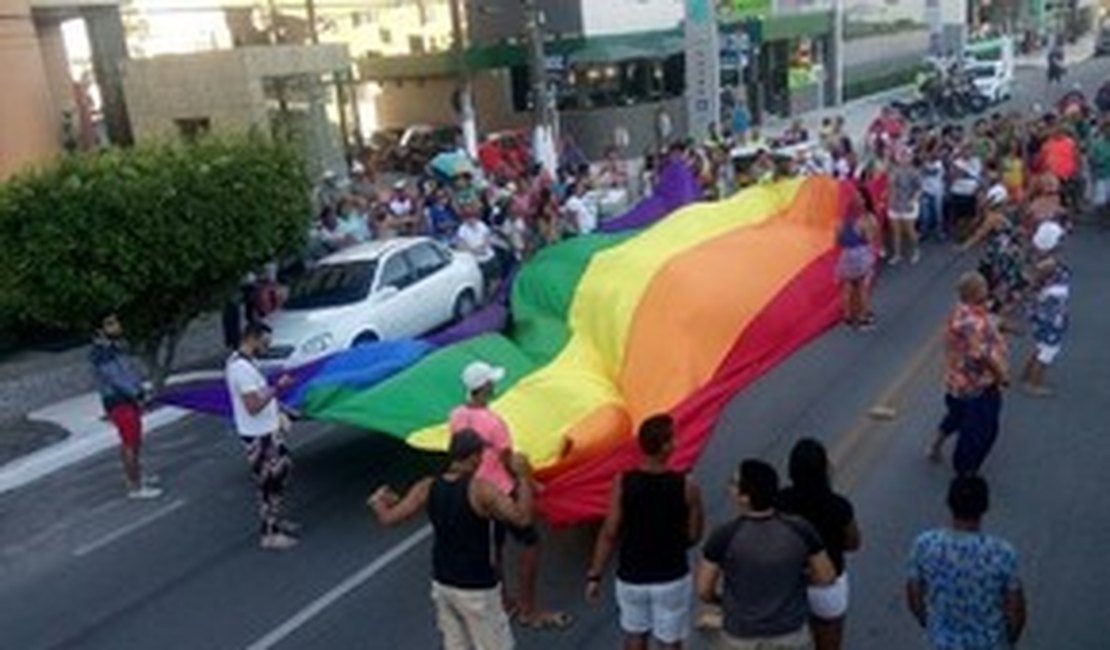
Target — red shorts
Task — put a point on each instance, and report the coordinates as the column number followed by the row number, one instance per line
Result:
column 128, row 419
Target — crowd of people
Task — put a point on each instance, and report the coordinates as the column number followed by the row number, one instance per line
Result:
column 1013, row 186
column 503, row 216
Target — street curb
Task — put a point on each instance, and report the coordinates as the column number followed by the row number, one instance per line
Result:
column 86, row 437
column 75, row 448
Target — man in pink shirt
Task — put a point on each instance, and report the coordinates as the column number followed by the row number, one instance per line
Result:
column 480, row 380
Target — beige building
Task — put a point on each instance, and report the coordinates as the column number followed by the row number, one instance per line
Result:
column 266, row 87
column 41, row 107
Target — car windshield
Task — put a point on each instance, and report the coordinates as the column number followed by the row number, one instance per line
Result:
column 332, row 285
column 982, row 72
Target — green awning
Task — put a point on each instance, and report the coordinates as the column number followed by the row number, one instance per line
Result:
column 595, row 49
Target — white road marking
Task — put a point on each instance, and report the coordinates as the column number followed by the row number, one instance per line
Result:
column 334, row 595
column 131, row 527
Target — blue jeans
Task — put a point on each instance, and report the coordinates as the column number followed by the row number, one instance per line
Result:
column 975, row 421
column 931, row 218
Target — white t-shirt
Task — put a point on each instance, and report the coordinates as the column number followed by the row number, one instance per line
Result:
column 243, row 378
column 968, row 171
column 932, row 178
column 475, row 237
column 584, row 214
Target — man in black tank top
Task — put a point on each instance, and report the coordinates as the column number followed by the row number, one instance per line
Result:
column 655, row 516
column 462, row 509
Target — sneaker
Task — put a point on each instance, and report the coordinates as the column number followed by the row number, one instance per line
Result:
column 916, row 258
column 289, row 527
column 895, row 261
column 278, row 542
column 144, row 493
column 151, row 479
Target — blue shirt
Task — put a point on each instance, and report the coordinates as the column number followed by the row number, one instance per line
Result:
column 965, row 577
column 442, row 220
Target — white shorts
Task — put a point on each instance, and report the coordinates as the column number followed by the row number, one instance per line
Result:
column 829, row 602
column 1046, row 354
column 662, row 609
column 909, row 215
column 1100, row 192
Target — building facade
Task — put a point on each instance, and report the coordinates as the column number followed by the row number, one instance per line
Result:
column 43, row 112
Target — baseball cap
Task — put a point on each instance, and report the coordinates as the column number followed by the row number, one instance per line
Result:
column 479, row 374
column 1048, row 236
column 464, row 444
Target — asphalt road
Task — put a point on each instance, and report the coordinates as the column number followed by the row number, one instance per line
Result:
column 80, row 567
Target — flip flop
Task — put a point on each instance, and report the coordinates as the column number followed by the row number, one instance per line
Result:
column 553, row 621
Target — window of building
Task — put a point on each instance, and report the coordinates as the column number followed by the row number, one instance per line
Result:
column 356, row 19
column 609, row 84
column 385, row 35
column 192, row 128
column 416, row 44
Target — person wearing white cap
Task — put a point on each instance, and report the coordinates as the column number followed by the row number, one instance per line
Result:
column 1052, row 283
column 480, row 380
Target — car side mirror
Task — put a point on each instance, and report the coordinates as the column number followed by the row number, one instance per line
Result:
column 385, row 293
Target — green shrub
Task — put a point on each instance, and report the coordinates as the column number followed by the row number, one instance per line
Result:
column 161, row 233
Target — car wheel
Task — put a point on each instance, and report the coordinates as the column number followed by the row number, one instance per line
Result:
column 366, row 338
column 465, row 305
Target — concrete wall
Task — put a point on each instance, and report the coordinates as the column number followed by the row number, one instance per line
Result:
column 53, row 47
column 212, row 85
column 593, row 129
column 875, row 55
column 224, row 86
column 496, row 20
column 430, row 102
column 629, row 16
column 29, row 128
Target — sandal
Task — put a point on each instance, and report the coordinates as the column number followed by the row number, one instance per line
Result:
column 553, row 621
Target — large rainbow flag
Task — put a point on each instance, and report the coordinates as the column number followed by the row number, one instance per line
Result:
column 609, row 329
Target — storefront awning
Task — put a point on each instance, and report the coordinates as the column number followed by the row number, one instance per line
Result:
column 594, row 49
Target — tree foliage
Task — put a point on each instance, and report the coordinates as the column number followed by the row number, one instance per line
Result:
column 161, row 233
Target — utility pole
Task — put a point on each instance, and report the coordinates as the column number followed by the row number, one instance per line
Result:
column 543, row 141
column 310, row 15
column 838, row 44
column 465, row 89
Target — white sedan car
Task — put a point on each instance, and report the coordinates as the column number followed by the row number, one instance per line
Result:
column 992, row 80
column 376, row 291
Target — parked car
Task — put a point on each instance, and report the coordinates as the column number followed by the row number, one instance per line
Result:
column 1102, row 42
column 992, row 80
column 376, row 291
